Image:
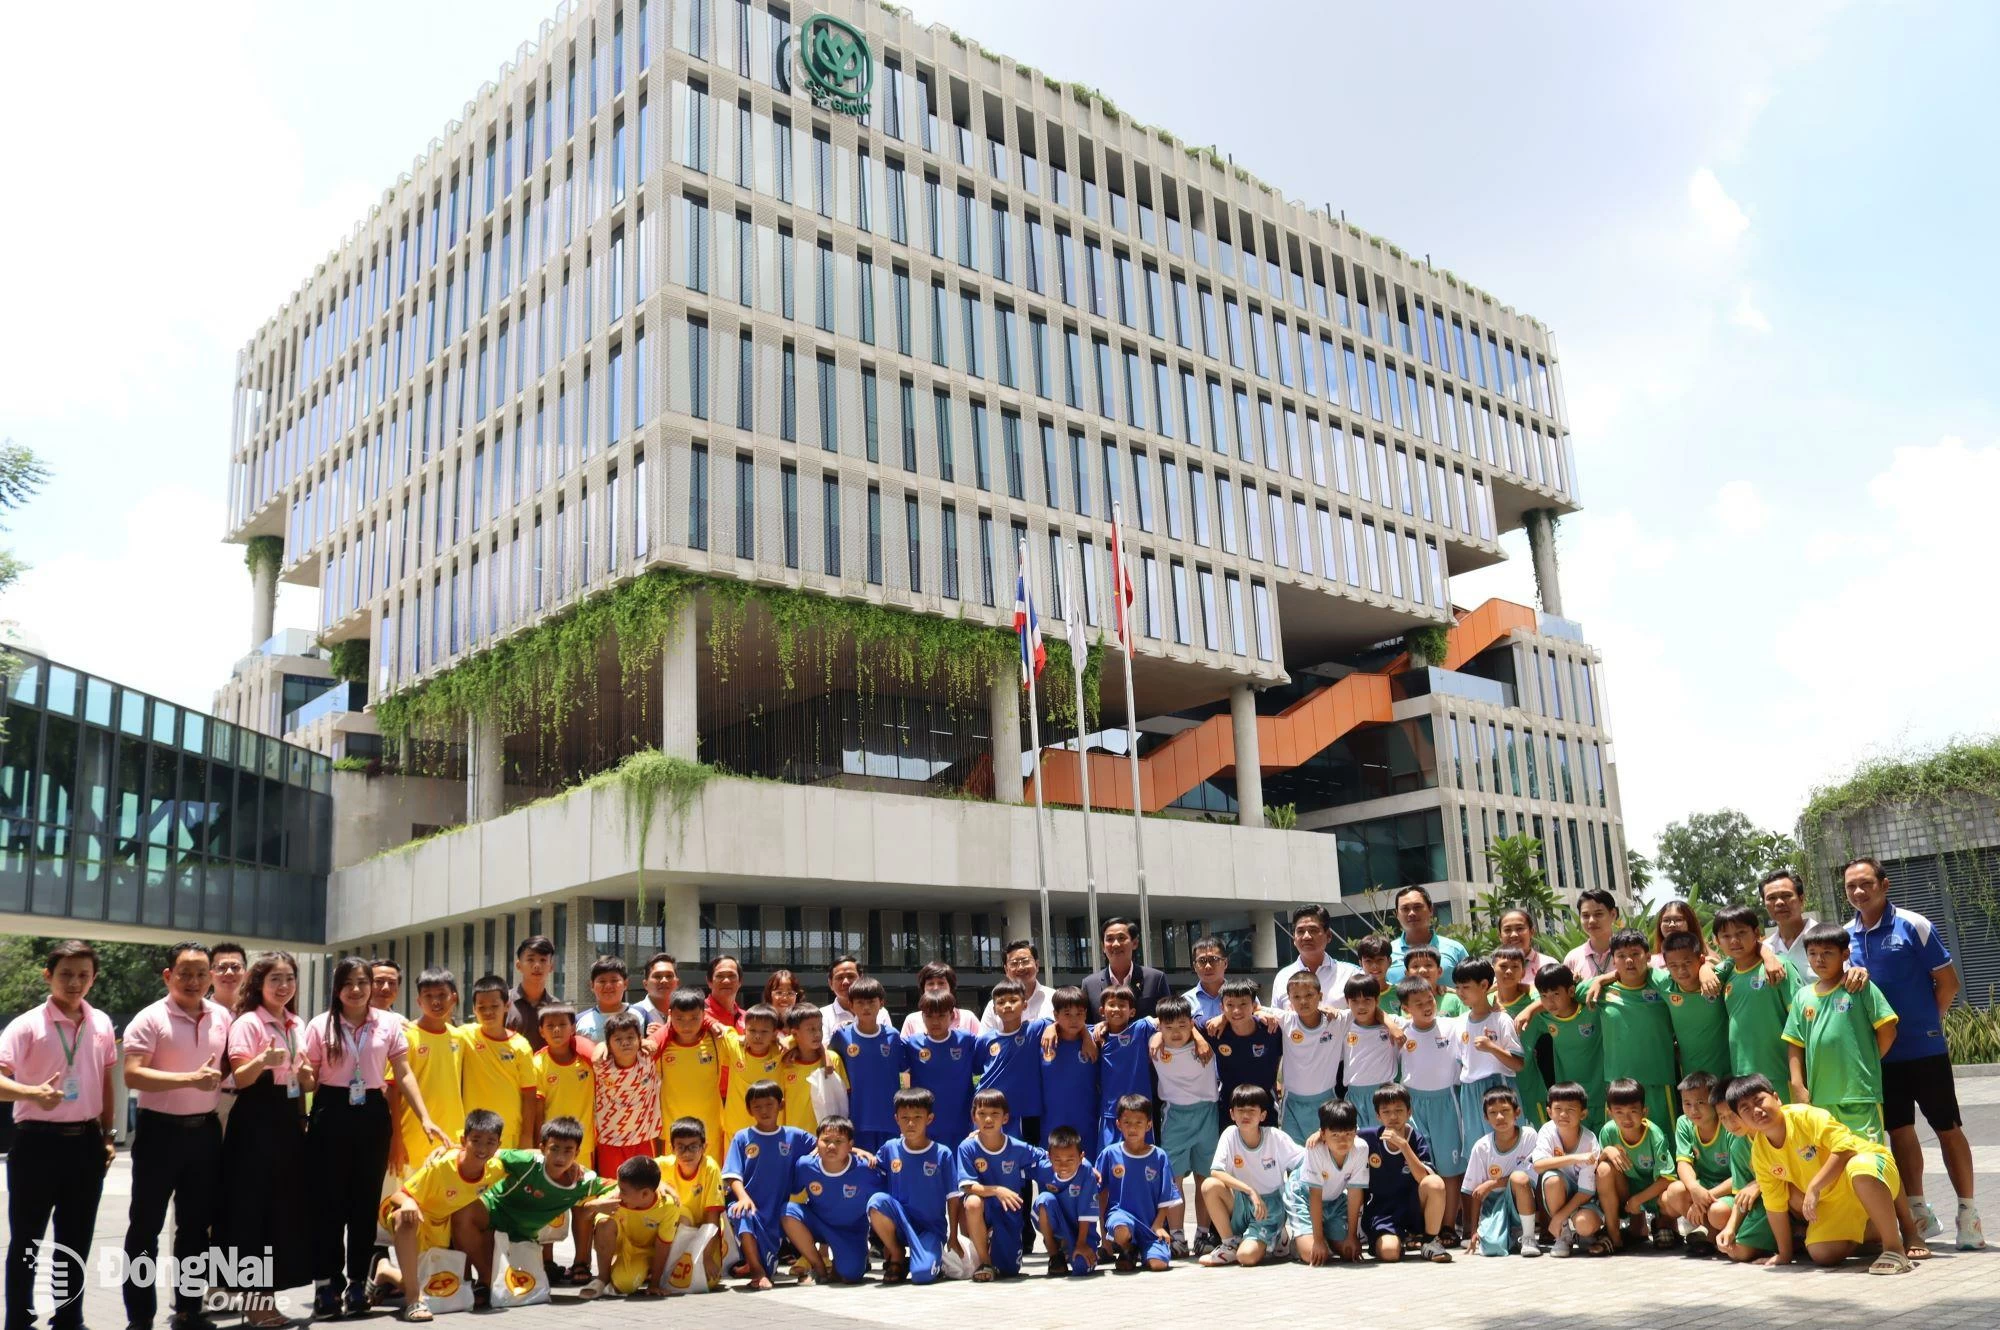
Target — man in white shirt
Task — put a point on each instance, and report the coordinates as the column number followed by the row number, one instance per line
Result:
column 1786, row 904
column 840, row 977
column 1598, row 911
column 1023, row 965
column 1312, row 931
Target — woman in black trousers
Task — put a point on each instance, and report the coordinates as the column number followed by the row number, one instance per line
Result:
column 348, row 1052
column 264, row 1146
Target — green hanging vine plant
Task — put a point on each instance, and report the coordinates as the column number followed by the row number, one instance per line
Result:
column 1432, row 642
column 349, row 659
column 264, row 552
column 646, row 780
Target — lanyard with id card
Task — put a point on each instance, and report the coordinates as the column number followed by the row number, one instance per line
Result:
column 290, row 1077
column 357, row 1090
column 72, row 1088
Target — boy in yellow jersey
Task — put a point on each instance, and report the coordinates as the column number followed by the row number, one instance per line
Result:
column 567, row 1089
column 1841, row 1184
column 636, row 1239
column 419, row 1214
column 499, row 1066
column 806, row 1025
column 690, row 1059
column 437, row 1056
column 696, row 1179
column 747, row 1058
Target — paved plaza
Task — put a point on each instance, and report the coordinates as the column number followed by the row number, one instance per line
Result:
column 1953, row 1289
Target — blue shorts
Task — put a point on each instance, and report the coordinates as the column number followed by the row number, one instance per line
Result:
column 1144, row 1242
column 1004, row 1231
column 849, row 1244
column 1064, row 1221
column 767, row 1227
column 1500, row 1224
column 1402, row 1220
column 1363, row 1099
column 1244, row 1222
column 1189, row 1135
column 1472, row 1109
column 923, row 1237
column 1298, row 1209
column 1436, row 1114
column 1300, row 1117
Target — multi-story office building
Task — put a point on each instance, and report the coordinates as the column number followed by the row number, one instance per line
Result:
column 858, row 310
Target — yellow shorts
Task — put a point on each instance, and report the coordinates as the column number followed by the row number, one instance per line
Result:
column 1841, row 1218
column 630, row 1267
column 431, row 1233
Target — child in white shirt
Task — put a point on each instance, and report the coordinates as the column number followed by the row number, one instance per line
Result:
column 1499, row 1187
column 1244, row 1191
column 1323, row 1198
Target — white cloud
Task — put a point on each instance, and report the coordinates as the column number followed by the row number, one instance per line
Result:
column 1747, row 315
column 165, row 604
column 1739, row 508
column 1721, row 218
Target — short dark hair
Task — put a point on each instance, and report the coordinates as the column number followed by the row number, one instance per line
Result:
column 845, row 958
column 687, row 999
column 1742, row 1089
column 1735, row 916
column 640, row 1171
column 659, row 956
column 71, row 950
column 1207, row 942
column 1118, row 921
column 1065, row 1138
column 1372, row 947
column 1776, row 875
column 1397, row 899
column 1069, row 998
column 175, row 952
column 836, row 1124
column 867, row 989
column 801, row 1012
column 991, row 1099
column 1552, row 976
column 914, row 1096
column 765, row 1089
column 1134, row 1103
column 1499, row 954
column 1569, row 1092
column 1680, row 942
column 233, row 948
column 608, row 965
column 489, row 983
column 1338, row 1115
column 1026, row 944
column 762, row 1012
column 687, row 1129
column 930, row 970
column 937, row 1004
column 1629, row 937
column 436, row 976
column 1414, row 986
column 484, row 1119
column 718, row 960
column 1624, row 1093
column 1392, row 1093
column 1873, row 865
column 1119, row 992
column 536, row 943
column 1007, row 988
column 1597, row 896
column 1473, row 970
column 1239, row 988
column 1251, row 1096
column 1317, row 913
column 1363, row 985
column 1827, row 935
column 1172, row 1008
column 623, row 1020
column 1431, row 954
column 1703, row 1081
column 385, row 963
column 562, row 1009
column 563, row 1129
column 1500, row 1094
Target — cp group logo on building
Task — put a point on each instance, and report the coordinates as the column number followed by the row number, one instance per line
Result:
column 838, row 68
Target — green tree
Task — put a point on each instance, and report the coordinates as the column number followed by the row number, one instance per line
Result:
column 21, row 474
column 128, row 976
column 1639, row 871
column 1716, row 858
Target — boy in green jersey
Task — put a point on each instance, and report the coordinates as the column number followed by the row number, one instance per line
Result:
column 1512, row 994
column 1638, row 1031
column 1425, row 963
column 1701, row 1019
column 1575, row 1035
column 1745, row 1234
column 1757, row 1006
column 1700, row 1193
column 1636, row 1168
column 539, row 1187
column 1836, row 1038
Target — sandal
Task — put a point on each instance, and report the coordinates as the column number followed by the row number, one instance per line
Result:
column 555, row 1275
column 579, row 1273
column 593, row 1290
column 1599, row 1245
column 895, row 1272
column 1891, row 1263
column 985, row 1274
column 1917, row 1251
column 415, row 1311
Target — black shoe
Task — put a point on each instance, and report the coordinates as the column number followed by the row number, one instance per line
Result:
column 355, row 1303
column 326, row 1302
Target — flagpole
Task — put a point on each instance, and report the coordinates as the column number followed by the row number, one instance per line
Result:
column 1132, row 742
column 1077, row 651
column 1035, row 744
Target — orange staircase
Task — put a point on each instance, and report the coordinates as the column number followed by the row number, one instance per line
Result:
column 1284, row 741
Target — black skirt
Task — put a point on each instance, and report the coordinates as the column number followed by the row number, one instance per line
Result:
column 264, row 1199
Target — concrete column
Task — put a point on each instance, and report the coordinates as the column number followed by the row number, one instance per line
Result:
column 1541, row 524
column 263, row 603
column 1264, row 940
column 485, row 770
column 680, row 731
column 1003, row 702
column 683, row 906
column 1020, row 920
column 1249, row 776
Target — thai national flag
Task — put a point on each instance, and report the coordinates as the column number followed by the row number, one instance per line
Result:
column 1027, row 623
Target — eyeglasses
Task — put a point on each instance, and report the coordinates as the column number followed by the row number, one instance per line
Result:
column 231, row 968
column 1208, row 960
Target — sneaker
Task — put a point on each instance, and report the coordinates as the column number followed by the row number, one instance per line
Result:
column 1927, row 1220
column 1971, row 1234
column 1178, row 1245
column 1561, row 1246
column 1529, row 1247
column 1204, row 1241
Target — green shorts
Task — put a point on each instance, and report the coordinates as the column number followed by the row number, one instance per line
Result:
column 1189, row 1134
column 1298, row 1208
column 1863, row 1119
column 517, row 1223
column 1243, row 1220
column 1754, row 1228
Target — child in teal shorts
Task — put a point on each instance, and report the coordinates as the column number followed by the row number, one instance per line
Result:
column 1184, row 1069
column 1323, row 1198
column 1244, row 1191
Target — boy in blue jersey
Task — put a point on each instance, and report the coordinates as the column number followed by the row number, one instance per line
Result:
column 1248, row 1048
column 838, row 1184
column 1139, row 1199
column 1010, row 1059
column 758, row 1173
column 1069, row 1067
column 874, row 1056
column 1405, row 1195
column 1123, row 1067
column 942, row 1060
column 1066, row 1210
column 914, row 1214
column 995, row 1168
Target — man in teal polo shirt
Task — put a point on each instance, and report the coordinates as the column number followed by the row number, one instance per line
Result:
column 1905, row 957
column 1418, row 918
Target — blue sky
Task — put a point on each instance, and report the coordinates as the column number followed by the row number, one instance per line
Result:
column 1761, row 233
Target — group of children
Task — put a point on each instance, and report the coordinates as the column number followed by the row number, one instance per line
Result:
column 1506, row 1114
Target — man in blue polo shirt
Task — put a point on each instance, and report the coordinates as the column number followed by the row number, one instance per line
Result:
column 1415, row 913
column 1905, row 957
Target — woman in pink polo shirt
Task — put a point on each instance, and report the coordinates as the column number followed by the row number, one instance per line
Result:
column 347, row 1050
column 264, row 1144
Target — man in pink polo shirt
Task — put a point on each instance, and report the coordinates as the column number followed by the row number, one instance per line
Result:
column 174, row 1059
column 55, row 1065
